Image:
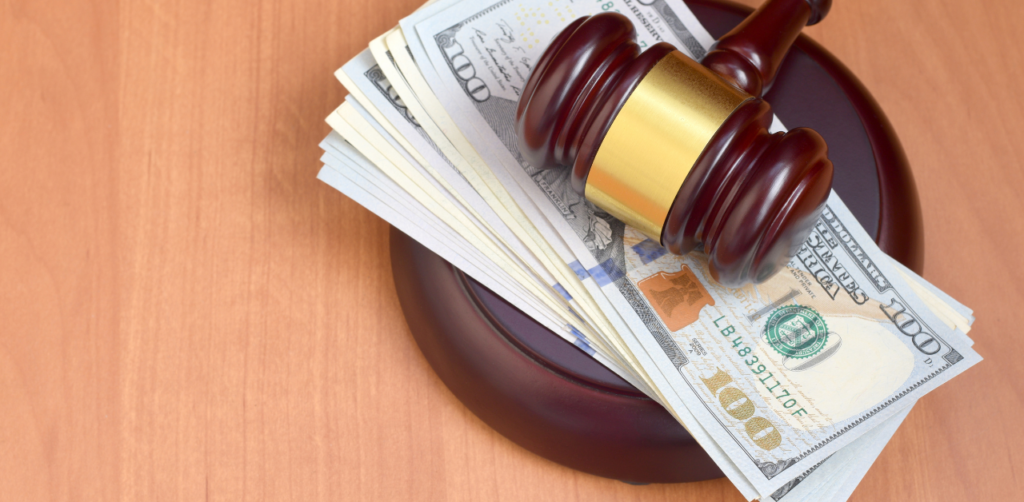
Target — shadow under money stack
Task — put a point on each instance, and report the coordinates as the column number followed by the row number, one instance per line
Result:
column 792, row 387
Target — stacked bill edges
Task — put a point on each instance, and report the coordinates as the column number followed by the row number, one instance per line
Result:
column 798, row 383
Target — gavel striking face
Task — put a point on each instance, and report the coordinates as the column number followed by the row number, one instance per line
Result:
column 677, row 149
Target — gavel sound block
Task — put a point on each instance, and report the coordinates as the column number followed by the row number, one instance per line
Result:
column 680, row 150
column 552, row 399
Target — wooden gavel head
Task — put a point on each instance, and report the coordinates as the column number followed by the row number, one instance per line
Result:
column 677, row 149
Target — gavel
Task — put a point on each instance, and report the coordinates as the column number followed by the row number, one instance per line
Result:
column 680, row 149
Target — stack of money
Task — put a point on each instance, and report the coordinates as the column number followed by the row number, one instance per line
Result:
column 792, row 386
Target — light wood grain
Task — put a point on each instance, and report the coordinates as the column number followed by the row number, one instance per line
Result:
column 187, row 314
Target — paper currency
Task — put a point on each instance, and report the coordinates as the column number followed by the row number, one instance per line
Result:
column 411, row 220
column 755, row 358
column 419, row 195
column 792, row 386
column 372, row 85
column 356, row 177
column 398, row 167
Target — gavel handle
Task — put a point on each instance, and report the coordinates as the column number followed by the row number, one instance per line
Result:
column 749, row 56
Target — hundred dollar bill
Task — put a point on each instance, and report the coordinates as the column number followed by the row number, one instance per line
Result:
column 658, row 15
column 371, row 87
column 441, row 139
column 369, row 140
column 806, row 479
column 781, row 375
column 836, row 478
column 352, row 174
column 953, row 313
column 582, row 329
column 340, row 153
column 433, row 118
column 466, row 161
column 663, row 19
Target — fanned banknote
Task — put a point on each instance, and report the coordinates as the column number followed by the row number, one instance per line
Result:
column 792, row 386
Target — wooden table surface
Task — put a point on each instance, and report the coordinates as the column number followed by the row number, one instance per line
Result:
column 186, row 313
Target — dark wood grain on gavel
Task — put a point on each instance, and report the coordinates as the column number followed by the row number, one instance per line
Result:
column 751, row 197
column 750, row 55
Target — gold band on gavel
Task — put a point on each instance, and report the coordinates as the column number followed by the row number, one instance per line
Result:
column 656, row 138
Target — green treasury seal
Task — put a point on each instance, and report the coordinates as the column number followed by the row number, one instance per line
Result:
column 796, row 331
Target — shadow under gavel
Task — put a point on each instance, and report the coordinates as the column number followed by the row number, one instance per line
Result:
column 677, row 149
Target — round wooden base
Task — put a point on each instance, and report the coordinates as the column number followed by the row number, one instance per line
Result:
column 553, row 399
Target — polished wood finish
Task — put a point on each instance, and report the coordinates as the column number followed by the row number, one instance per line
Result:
column 750, row 196
column 187, row 314
column 551, row 398
column 750, row 55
